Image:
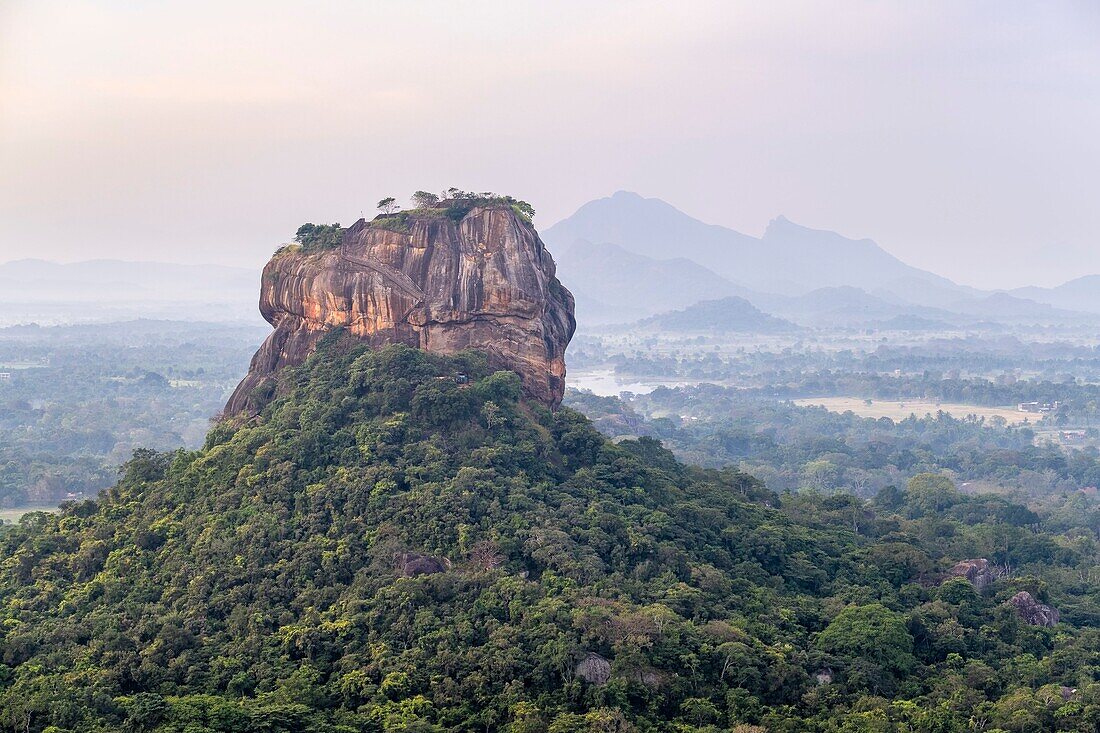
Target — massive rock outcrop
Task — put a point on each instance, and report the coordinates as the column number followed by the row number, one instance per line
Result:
column 483, row 282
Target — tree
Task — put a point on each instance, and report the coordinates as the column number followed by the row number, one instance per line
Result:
column 820, row 475
column 932, row 492
column 871, row 633
column 524, row 209
column 319, row 236
column 699, row 711
column 424, row 199
column 388, row 205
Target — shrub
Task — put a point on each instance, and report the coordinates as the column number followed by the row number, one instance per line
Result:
column 315, row 237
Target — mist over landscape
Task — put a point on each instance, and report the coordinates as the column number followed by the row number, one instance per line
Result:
column 754, row 385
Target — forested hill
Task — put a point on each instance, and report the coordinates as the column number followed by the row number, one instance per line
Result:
column 725, row 315
column 400, row 543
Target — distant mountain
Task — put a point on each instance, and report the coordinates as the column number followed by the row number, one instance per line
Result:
column 122, row 280
column 1003, row 306
column 789, row 259
column 34, row 290
column 1082, row 294
column 845, row 306
column 727, row 315
column 613, row 285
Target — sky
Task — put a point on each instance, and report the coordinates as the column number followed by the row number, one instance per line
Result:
column 960, row 135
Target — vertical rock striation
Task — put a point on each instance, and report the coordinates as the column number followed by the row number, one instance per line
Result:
column 485, row 282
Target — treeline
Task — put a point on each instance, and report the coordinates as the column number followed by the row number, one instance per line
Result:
column 93, row 394
column 793, row 447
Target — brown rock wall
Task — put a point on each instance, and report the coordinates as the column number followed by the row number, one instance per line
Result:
column 485, row 282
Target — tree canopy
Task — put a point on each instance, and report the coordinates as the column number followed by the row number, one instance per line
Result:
column 391, row 548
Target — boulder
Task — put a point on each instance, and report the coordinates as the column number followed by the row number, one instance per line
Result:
column 977, row 571
column 594, row 669
column 1032, row 612
column 411, row 564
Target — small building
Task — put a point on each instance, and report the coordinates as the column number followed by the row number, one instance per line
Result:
column 5, row 376
column 1038, row 407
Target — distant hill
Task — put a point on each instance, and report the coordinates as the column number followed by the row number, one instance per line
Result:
column 789, row 259
column 1082, row 294
column 108, row 290
column 1005, row 306
column 845, row 306
column 613, row 285
column 726, row 315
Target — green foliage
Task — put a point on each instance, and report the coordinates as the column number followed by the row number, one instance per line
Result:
column 396, row 223
column 873, row 640
column 453, row 204
column 931, row 493
column 779, row 441
column 424, row 199
column 101, row 391
column 458, row 203
column 400, row 543
column 315, row 237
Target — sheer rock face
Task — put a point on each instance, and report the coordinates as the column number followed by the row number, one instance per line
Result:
column 1032, row 612
column 486, row 282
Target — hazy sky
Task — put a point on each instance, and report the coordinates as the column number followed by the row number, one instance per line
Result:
column 963, row 136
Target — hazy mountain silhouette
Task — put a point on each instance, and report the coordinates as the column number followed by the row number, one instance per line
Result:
column 845, row 306
column 788, row 259
column 613, row 285
column 725, row 315
column 1081, row 294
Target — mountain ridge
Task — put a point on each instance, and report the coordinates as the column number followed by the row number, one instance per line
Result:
column 654, row 228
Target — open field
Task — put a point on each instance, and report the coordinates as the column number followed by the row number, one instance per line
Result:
column 920, row 408
column 14, row 514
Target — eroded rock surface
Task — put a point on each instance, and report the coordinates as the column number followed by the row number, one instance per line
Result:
column 977, row 571
column 1033, row 612
column 486, row 282
column 594, row 669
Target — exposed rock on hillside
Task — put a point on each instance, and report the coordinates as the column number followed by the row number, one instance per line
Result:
column 412, row 564
column 594, row 669
column 976, row 571
column 485, row 282
column 1033, row 612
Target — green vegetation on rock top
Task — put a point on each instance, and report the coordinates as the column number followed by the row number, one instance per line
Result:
column 315, row 237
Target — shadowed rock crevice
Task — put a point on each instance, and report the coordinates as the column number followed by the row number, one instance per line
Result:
column 485, row 282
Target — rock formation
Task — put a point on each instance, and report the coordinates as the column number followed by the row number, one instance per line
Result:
column 977, row 571
column 412, row 564
column 593, row 669
column 482, row 280
column 1033, row 612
